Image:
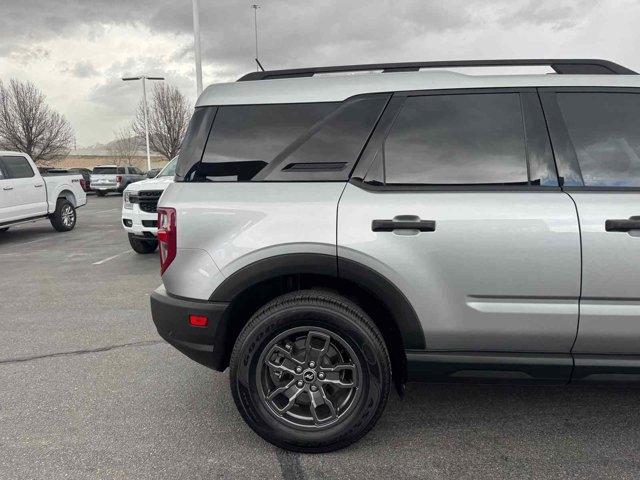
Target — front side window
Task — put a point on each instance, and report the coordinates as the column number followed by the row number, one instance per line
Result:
column 461, row 139
column 17, row 167
column 246, row 138
column 605, row 131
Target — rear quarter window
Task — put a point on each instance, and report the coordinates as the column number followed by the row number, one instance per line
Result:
column 280, row 142
column 244, row 139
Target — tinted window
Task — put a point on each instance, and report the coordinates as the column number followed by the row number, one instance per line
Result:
column 121, row 170
column 457, row 139
column 605, row 132
column 244, row 139
column 105, row 170
column 17, row 167
column 193, row 143
column 329, row 150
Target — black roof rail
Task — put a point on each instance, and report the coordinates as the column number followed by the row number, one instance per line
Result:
column 561, row 66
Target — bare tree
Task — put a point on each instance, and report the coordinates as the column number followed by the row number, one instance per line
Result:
column 169, row 114
column 29, row 125
column 125, row 145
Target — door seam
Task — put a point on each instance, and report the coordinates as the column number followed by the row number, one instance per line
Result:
column 581, row 273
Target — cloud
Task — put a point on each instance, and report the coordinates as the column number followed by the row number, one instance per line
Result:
column 92, row 44
column 557, row 14
column 81, row 69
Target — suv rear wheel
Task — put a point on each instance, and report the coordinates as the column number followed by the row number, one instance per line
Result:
column 310, row 372
column 142, row 246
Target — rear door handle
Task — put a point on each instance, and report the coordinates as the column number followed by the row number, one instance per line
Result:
column 622, row 225
column 7, row 188
column 391, row 225
column 37, row 185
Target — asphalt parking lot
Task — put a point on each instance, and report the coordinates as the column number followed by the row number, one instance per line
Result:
column 89, row 390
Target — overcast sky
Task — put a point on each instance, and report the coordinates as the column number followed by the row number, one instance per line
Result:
column 76, row 51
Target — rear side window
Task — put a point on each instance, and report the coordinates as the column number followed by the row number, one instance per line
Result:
column 461, row 139
column 17, row 167
column 244, row 139
column 605, row 131
column 104, row 170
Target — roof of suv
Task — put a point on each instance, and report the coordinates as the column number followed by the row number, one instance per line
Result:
column 336, row 88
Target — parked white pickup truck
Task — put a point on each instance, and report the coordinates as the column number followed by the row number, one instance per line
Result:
column 139, row 202
column 26, row 196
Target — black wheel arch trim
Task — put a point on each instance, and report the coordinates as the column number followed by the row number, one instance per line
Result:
column 329, row 265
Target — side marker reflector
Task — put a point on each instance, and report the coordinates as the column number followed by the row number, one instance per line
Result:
column 198, row 321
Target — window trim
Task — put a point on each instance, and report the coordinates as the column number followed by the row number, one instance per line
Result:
column 532, row 140
column 563, row 149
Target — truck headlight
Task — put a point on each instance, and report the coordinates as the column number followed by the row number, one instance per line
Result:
column 126, row 199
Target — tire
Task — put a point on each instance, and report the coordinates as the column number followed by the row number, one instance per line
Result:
column 101, row 193
column 64, row 217
column 275, row 340
column 2, row 230
column 142, row 246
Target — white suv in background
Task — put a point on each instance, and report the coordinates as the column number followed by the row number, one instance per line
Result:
column 139, row 201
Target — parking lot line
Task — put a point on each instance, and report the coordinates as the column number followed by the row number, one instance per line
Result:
column 32, row 241
column 105, row 211
column 100, row 262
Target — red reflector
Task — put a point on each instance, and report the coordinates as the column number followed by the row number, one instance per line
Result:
column 198, row 321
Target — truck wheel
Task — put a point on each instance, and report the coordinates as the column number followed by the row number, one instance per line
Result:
column 100, row 193
column 310, row 372
column 64, row 217
column 142, row 246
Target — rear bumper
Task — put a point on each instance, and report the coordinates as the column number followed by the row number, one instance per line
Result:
column 108, row 188
column 202, row 344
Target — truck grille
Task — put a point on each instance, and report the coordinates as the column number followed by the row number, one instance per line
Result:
column 148, row 200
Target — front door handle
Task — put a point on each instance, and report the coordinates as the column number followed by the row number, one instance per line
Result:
column 398, row 224
column 622, row 225
column 8, row 188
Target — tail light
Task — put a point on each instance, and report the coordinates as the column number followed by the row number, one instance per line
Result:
column 166, row 236
column 118, row 178
column 83, row 183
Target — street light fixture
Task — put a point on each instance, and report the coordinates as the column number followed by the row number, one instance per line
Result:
column 144, row 79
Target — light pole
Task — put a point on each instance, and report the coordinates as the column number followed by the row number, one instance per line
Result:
column 255, row 7
column 196, row 44
column 144, row 79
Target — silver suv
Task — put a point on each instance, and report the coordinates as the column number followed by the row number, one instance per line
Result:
column 328, row 235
